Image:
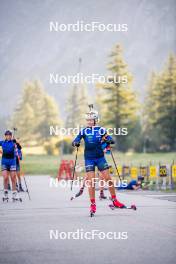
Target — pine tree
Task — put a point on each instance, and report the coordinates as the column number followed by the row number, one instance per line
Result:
column 119, row 100
column 161, row 107
column 34, row 114
column 50, row 117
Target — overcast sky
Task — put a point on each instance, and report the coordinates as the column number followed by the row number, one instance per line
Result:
column 29, row 51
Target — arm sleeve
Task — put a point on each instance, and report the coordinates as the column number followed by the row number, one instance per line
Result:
column 78, row 137
column 1, row 141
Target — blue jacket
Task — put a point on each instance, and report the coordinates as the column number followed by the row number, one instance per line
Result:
column 8, row 148
column 93, row 141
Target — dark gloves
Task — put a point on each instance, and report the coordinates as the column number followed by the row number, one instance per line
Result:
column 109, row 141
column 75, row 144
column 17, row 144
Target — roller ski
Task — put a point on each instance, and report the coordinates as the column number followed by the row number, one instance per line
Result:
column 116, row 204
column 92, row 209
column 102, row 196
column 78, row 194
column 15, row 197
column 5, row 198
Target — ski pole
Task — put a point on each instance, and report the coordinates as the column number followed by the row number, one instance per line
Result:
column 27, row 190
column 14, row 130
column 115, row 164
column 74, row 168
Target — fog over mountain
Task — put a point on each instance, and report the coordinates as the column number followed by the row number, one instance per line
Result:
column 28, row 50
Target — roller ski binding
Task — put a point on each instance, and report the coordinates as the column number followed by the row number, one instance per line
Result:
column 92, row 209
column 117, row 204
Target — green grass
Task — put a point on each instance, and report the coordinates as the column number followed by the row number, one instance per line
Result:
column 40, row 164
column 48, row 165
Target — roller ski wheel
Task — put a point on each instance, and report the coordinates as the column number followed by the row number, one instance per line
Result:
column 133, row 207
column 5, row 199
column 17, row 200
column 92, row 214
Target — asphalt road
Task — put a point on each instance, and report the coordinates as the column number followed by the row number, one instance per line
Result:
column 149, row 234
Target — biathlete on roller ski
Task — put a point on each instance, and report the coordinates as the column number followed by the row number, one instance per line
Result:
column 8, row 165
column 102, row 196
column 93, row 136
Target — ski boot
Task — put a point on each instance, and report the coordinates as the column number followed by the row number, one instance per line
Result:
column 117, row 204
column 15, row 197
column 92, row 209
column 5, row 198
column 102, row 196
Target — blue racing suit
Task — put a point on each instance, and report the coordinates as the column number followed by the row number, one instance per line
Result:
column 8, row 161
column 93, row 152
